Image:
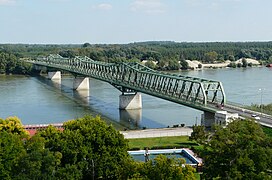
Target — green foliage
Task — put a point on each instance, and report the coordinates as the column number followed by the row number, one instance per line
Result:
column 158, row 51
column 13, row 125
column 67, row 53
column 10, row 64
column 232, row 64
column 239, row 151
column 184, row 64
column 244, row 62
column 199, row 134
column 11, row 150
column 268, row 131
column 86, row 45
column 163, row 168
column 39, row 162
column 210, row 56
column 90, row 146
column 86, row 148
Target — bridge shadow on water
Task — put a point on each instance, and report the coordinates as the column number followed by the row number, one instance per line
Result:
column 121, row 119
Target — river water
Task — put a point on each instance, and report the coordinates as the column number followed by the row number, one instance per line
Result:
column 36, row 100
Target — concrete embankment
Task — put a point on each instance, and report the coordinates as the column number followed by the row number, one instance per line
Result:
column 148, row 133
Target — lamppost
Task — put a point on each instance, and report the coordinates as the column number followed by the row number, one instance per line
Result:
column 261, row 105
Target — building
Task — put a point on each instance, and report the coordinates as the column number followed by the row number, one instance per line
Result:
column 223, row 117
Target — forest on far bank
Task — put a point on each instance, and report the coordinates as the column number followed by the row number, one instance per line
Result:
column 168, row 55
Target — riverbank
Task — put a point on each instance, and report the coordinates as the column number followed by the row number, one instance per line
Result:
column 194, row 64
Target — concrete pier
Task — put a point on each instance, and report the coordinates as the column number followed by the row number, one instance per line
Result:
column 54, row 75
column 130, row 101
column 207, row 119
column 81, row 83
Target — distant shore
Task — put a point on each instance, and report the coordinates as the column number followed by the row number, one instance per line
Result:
column 194, row 64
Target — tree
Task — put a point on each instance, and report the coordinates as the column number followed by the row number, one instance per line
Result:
column 231, row 58
column 11, row 150
column 184, row 64
column 199, row 134
column 239, row 151
column 39, row 162
column 173, row 65
column 244, row 62
column 13, row 125
column 67, row 53
column 163, row 167
column 11, row 146
column 89, row 148
column 210, row 56
column 86, row 45
column 232, row 64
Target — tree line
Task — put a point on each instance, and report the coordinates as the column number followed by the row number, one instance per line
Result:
column 10, row 64
column 167, row 55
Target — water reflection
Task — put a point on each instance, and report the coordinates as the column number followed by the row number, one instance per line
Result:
column 56, row 83
column 82, row 95
column 132, row 117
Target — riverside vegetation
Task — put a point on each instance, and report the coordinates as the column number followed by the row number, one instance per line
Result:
column 168, row 55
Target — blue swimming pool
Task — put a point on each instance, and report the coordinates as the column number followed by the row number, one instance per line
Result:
column 178, row 153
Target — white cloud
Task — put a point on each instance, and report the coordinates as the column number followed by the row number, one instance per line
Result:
column 7, row 2
column 209, row 2
column 103, row 6
column 148, row 6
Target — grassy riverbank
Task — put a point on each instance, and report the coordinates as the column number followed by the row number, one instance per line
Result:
column 170, row 142
column 161, row 143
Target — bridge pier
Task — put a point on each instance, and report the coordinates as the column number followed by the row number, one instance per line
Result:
column 54, row 75
column 207, row 119
column 130, row 101
column 81, row 83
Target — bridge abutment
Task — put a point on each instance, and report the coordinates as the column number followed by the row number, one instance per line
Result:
column 207, row 119
column 130, row 101
column 81, row 83
column 56, row 75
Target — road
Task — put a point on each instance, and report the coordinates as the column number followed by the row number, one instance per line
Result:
column 265, row 119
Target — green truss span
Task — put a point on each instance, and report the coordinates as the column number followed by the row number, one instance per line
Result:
column 198, row 93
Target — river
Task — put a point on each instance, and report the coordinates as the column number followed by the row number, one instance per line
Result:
column 36, row 100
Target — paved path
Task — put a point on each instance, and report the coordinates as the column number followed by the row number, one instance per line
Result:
column 147, row 133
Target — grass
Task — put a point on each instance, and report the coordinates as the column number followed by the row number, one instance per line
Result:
column 161, row 142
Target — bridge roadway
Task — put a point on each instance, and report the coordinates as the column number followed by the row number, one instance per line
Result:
column 197, row 93
column 265, row 119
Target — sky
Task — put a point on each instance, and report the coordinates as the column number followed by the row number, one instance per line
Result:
column 128, row 21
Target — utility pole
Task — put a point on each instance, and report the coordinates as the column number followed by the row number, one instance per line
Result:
column 261, row 105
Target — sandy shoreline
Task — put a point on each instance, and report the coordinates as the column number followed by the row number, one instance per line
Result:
column 194, row 64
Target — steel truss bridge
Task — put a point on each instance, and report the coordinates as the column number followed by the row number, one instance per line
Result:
column 198, row 93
